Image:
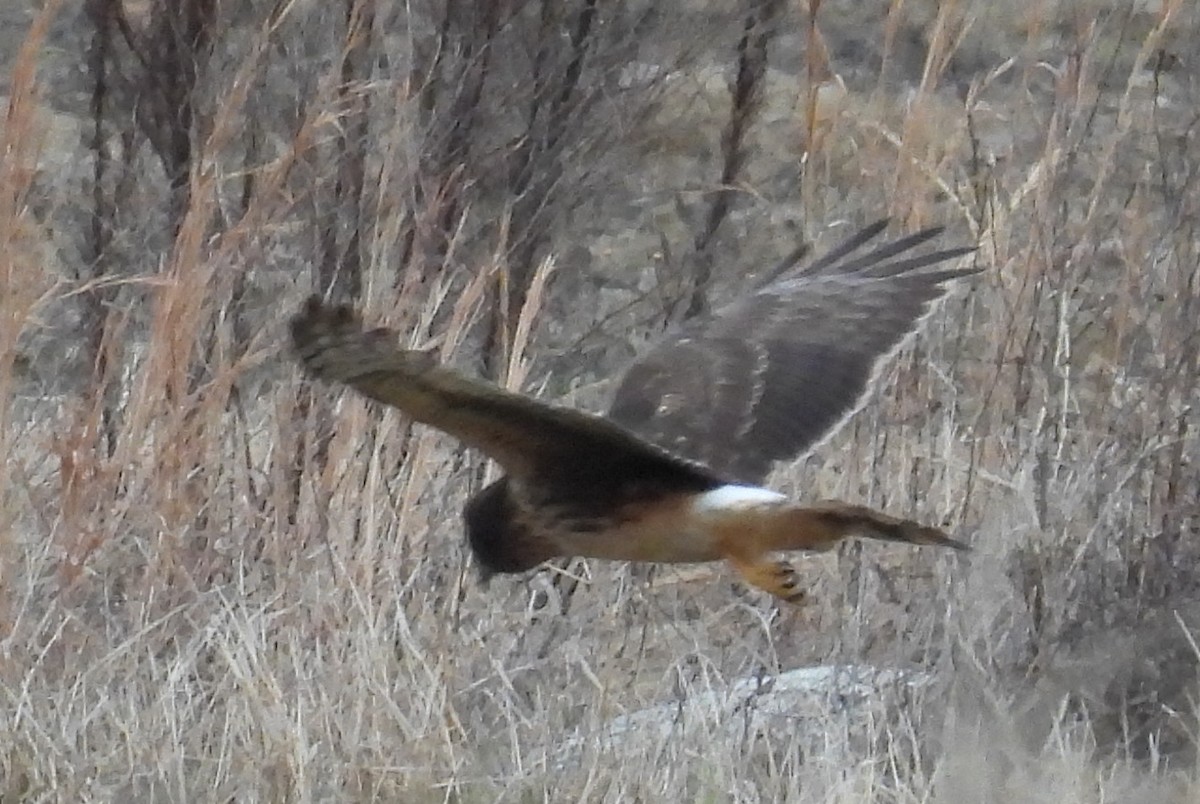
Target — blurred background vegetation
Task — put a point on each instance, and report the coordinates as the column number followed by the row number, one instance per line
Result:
column 217, row 583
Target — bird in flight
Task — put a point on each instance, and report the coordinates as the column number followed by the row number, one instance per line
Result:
column 673, row 471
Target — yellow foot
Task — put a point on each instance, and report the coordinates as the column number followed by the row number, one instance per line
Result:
column 778, row 578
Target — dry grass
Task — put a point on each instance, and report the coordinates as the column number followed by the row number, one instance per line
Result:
column 260, row 594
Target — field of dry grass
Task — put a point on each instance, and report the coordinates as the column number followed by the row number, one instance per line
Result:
column 218, row 584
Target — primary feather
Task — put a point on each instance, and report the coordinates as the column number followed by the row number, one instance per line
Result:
column 769, row 376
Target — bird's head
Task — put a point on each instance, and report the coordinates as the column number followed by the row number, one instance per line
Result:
column 500, row 543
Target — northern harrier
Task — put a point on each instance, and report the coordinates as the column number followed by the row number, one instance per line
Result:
column 671, row 473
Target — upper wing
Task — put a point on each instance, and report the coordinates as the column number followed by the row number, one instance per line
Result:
column 770, row 375
column 555, row 452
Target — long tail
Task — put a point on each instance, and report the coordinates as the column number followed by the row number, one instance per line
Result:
column 748, row 548
column 829, row 522
column 779, row 528
column 839, row 520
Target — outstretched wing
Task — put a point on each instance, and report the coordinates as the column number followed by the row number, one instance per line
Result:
column 767, row 377
column 554, row 452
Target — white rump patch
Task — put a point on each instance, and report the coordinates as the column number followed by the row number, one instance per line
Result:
column 733, row 498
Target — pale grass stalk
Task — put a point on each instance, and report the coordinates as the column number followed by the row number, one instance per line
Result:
column 21, row 280
column 817, row 69
column 905, row 150
column 465, row 313
column 1125, row 112
column 19, row 139
column 950, row 28
column 518, row 366
column 181, row 298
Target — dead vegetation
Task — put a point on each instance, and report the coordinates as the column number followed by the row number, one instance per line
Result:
column 218, row 584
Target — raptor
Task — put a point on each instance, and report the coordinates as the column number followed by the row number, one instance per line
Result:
column 673, row 471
